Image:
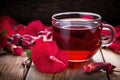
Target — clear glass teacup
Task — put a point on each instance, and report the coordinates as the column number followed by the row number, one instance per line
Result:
column 79, row 34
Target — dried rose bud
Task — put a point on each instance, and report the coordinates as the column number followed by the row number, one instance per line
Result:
column 26, row 44
column 18, row 50
column 109, row 68
column 87, row 69
column 93, row 67
column 16, row 39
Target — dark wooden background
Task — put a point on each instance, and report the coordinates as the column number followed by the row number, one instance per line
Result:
column 25, row 11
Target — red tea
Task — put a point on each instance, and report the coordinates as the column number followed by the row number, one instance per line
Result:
column 80, row 42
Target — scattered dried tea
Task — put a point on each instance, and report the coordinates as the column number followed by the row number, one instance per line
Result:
column 97, row 66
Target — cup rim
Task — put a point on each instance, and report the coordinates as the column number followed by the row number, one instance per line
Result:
column 86, row 13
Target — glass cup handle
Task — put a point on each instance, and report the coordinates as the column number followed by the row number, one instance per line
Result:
column 107, row 34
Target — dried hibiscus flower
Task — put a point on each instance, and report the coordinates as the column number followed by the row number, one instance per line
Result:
column 97, row 66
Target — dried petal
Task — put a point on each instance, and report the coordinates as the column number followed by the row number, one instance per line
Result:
column 18, row 50
column 16, row 39
column 93, row 67
column 26, row 44
column 87, row 69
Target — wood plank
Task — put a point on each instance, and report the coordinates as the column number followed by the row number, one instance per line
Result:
column 11, row 68
column 34, row 74
column 72, row 73
column 79, row 74
column 113, row 58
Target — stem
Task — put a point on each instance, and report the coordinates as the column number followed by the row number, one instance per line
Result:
column 56, row 59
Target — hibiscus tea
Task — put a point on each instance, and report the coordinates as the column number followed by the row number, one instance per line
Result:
column 79, row 40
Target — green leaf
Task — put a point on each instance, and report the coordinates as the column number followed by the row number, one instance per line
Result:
column 29, row 54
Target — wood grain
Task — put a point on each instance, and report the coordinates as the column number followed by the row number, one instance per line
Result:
column 113, row 58
column 74, row 72
column 11, row 68
column 34, row 74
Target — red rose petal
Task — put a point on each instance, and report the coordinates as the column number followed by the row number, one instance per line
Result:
column 41, row 56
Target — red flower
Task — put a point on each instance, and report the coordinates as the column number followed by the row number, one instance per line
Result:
column 34, row 27
column 6, row 26
column 21, row 29
column 48, row 58
column 7, row 19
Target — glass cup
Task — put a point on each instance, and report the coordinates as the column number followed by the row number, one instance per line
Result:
column 80, row 35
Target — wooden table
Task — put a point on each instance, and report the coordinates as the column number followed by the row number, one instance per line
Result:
column 11, row 69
